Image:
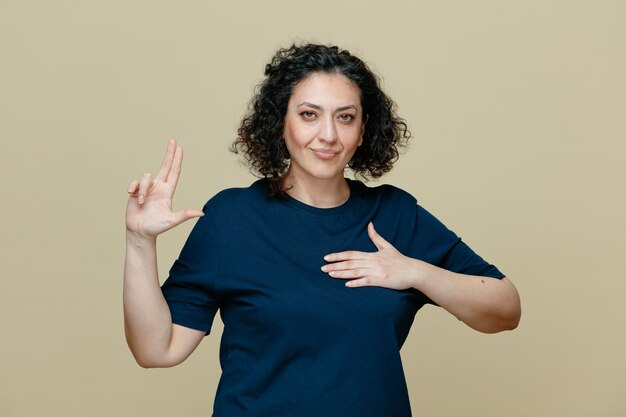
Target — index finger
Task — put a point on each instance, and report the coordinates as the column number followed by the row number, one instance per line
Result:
column 346, row 255
column 167, row 162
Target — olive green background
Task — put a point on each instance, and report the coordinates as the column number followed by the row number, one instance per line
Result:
column 518, row 111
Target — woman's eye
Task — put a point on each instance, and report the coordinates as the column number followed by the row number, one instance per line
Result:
column 307, row 114
column 346, row 117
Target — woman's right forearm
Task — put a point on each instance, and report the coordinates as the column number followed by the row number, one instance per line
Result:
column 150, row 334
column 147, row 319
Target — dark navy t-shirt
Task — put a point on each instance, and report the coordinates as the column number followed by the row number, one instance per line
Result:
column 297, row 342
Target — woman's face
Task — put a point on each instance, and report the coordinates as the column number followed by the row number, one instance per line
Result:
column 323, row 126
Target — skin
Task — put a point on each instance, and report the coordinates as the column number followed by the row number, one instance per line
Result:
column 324, row 113
column 150, row 334
column 485, row 304
column 323, row 128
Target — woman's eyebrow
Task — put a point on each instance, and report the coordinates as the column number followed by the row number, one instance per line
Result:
column 315, row 106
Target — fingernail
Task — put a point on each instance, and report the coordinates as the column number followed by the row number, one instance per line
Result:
column 140, row 199
column 349, row 284
column 324, row 268
column 327, row 257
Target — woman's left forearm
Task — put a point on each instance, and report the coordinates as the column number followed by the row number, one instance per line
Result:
column 486, row 304
column 489, row 305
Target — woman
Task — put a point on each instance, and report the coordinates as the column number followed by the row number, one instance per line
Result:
column 317, row 277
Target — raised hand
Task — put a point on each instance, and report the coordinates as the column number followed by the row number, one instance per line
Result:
column 149, row 208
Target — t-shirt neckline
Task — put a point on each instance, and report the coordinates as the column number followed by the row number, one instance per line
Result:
column 328, row 210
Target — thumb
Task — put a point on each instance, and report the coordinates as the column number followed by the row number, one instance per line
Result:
column 377, row 239
column 184, row 215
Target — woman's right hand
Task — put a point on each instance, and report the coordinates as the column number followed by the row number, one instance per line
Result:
column 149, row 208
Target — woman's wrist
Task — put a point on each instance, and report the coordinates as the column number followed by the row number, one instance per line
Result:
column 139, row 240
column 418, row 273
column 422, row 272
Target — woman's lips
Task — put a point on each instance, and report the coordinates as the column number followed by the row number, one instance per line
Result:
column 325, row 153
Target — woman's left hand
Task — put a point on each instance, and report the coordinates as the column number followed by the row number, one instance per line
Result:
column 385, row 268
column 487, row 305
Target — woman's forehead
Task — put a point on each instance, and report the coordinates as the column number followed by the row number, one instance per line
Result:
column 324, row 89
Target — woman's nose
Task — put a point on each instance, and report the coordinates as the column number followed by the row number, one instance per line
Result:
column 328, row 131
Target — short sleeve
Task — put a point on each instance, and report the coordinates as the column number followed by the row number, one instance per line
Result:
column 189, row 289
column 447, row 250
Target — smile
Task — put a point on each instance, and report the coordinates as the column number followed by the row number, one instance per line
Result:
column 325, row 153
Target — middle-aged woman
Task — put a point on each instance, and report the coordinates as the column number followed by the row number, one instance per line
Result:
column 317, row 277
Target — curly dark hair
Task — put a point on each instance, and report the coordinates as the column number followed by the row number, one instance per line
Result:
column 260, row 135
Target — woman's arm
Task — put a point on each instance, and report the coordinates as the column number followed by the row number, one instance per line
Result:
column 150, row 334
column 152, row 338
column 489, row 305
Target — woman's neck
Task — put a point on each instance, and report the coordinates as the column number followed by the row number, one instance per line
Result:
column 320, row 193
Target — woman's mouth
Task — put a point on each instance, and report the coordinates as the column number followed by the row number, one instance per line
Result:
column 325, row 153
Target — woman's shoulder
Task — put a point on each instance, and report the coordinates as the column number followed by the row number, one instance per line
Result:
column 236, row 197
column 387, row 193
